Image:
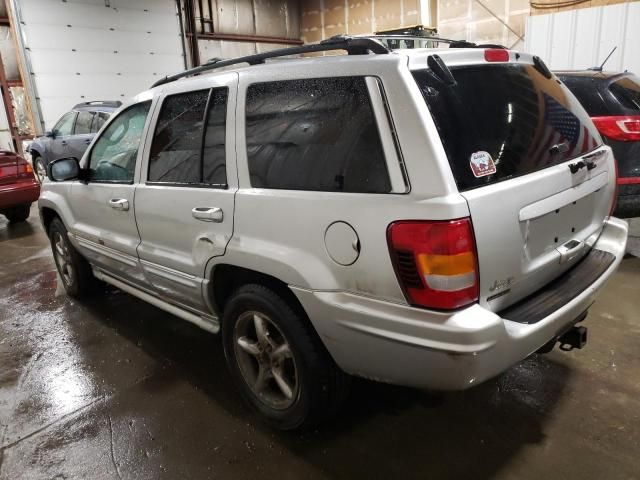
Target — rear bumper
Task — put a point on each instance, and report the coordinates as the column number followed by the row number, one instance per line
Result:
column 403, row 345
column 19, row 194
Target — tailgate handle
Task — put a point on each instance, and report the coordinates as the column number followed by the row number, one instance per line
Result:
column 569, row 250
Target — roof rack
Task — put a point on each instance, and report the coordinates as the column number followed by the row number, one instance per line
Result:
column 452, row 43
column 400, row 36
column 100, row 103
column 353, row 46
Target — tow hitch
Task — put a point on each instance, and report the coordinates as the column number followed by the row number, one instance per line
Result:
column 576, row 337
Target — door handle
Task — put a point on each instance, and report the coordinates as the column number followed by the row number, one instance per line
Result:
column 64, row 142
column 119, row 204
column 87, row 142
column 207, row 214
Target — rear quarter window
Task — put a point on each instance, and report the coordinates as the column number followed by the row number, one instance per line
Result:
column 314, row 134
column 627, row 92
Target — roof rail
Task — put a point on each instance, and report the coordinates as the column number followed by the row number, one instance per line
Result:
column 100, row 103
column 353, row 46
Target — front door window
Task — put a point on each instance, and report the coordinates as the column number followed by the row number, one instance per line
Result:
column 113, row 157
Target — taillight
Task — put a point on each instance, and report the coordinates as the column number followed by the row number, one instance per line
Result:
column 496, row 55
column 622, row 128
column 25, row 170
column 435, row 262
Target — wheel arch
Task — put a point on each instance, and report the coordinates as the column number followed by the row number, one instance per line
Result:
column 47, row 215
column 226, row 278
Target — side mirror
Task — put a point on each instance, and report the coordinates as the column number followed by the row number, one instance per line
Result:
column 50, row 134
column 64, row 169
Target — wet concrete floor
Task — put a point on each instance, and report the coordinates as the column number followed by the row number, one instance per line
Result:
column 115, row 388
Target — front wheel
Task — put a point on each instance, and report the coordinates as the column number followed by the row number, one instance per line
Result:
column 278, row 362
column 74, row 270
column 40, row 169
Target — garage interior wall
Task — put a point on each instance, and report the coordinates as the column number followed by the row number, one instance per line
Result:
column 583, row 38
column 484, row 21
column 232, row 28
column 543, row 7
column 82, row 50
column 325, row 18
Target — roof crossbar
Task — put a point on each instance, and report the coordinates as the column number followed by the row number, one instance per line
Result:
column 399, row 36
column 452, row 43
column 353, row 46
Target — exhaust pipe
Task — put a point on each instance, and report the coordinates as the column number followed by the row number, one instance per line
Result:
column 576, row 337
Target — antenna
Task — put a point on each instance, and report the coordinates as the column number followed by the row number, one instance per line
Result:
column 599, row 69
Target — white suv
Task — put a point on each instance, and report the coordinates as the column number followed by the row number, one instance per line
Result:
column 424, row 217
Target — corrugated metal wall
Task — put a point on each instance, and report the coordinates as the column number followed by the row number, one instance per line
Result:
column 583, row 38
column 266, row 18
column 484, row 21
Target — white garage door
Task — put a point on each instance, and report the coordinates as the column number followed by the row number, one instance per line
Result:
column 83, row 50
column 583, row 38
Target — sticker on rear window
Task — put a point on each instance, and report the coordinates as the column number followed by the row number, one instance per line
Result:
column 482, row 164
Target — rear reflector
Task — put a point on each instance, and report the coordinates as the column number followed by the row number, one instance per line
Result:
column 622, row 128
column 435, row 262
column 496, row 55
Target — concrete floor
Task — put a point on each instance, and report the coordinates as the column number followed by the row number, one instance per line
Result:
column 115, row 388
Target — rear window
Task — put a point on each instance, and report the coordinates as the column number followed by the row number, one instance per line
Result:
column 627, row 91
column 503, row 121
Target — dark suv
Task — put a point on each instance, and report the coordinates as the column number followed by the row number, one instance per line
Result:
column 71, row 135
column 613, row 102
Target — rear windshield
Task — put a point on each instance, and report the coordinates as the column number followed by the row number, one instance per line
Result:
column 502, row 121
column 627, row 91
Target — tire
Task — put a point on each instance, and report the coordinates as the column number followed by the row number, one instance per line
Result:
column 316, row 385
column 74, row 270
column 18, row 214
column 39, row 168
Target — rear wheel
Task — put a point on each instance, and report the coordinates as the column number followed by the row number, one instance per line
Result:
column 74, row 270
column 18, row 214
column 39, row 168
column 277, row 361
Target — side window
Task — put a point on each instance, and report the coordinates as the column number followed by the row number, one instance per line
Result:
column 314, row 134
column 98, row 120
column 113, row 157
column 177, row 141
column 627, row 91
column 178, row 155
column 64, row 125
column 83, row 123
column 215, row 160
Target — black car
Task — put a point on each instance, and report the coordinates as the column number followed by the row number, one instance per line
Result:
column 71, row 135
column 612, row 100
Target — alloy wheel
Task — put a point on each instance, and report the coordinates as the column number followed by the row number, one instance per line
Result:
column 41, row 172
column 265, row 360
column 63, row 259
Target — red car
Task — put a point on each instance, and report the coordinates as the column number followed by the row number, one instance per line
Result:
column 18, row 187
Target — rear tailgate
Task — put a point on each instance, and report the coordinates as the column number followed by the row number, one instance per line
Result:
column 530, row 164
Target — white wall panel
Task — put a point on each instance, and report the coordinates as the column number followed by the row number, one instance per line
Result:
column 579, row 39
column 82, row 50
